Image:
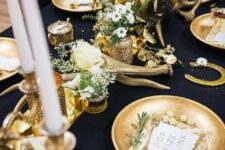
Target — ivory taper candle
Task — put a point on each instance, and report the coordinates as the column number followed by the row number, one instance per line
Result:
column 20, row 33
column 47, row 87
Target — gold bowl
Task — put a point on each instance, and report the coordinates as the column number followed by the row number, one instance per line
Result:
column 61, row 4
column 8, row 48
column 201, row 26
column 204, row 119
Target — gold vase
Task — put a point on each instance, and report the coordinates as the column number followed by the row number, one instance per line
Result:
column 97, row 105
column 122, row 51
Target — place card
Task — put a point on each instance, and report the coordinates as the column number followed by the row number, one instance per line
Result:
column 167, row 137
column 219, row 38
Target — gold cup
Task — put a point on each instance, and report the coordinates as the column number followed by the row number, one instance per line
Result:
column 60, row 32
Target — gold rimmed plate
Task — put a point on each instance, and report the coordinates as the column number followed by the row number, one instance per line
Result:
column 204, row 119
column 201, row 26
column 64, row 5
column 8, row 49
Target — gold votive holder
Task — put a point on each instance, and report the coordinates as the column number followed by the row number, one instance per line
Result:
column 95, row 107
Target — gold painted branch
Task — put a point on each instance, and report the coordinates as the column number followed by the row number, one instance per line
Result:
column 125, row 69
column 189, row 15
column 140, row 82
column 10, row 89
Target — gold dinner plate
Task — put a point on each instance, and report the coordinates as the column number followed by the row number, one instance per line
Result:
column 201, row 26
column 62, row 4
column 204, row 119
column 8, row 48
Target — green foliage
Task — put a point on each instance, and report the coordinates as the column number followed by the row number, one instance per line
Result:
column 114, row 39
column 139, row 7
column 139, row 129
column 85, row 79
column 88, row 17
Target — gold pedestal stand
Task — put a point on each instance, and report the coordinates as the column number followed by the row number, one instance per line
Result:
column 10, row 139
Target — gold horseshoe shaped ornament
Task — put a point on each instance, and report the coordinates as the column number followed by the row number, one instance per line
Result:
column 213, row 83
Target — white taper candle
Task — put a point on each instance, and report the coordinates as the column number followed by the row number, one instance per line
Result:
column 47, row 87
column 20, row 33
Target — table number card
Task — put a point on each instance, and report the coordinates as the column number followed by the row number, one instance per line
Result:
column 167, row 137
column 220, row 38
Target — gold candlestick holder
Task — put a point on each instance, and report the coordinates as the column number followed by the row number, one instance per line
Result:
column 34, row 118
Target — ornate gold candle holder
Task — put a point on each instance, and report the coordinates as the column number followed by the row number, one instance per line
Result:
column 15, row 133
column 29, row 87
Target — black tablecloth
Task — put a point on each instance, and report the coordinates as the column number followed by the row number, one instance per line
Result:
column 93, row 132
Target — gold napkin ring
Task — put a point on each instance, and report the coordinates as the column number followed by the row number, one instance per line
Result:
column 213, row 83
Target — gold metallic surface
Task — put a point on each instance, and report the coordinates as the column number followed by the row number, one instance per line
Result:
column 60, row 32
column 10, row 89
column 203, row 117
column 61, row 4
column 122, row 51
column 7, row 48
column 126, row 69
column 126, row 80
column 201, row 26
column 96, row 107
column 75, row 107
column 213, row 83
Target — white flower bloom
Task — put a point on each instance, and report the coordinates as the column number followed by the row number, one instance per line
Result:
column 128, row 6
column 96, row 70
column 89, row 89
column 121, row 32
column 86, row 55
column 202, row 61
column 70, row 85
column 109, row 15
column 84, row 96
column 116, row 17
column 171, row 59
column 130, row 18
column 74, row 83
column 120, row 9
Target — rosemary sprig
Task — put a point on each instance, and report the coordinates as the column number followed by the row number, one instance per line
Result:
column 136, row 139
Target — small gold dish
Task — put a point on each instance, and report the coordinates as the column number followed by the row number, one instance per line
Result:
column 201, row 26
column 63, row 5
column 204, row 119
column 60, row 32
column 8, row 49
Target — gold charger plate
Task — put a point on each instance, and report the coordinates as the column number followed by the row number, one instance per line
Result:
column 61, row 4
column 201, row 26
column 8, row 48
column 203, row 117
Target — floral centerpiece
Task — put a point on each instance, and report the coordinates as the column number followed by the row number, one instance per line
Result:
column 91, row 84
column 91, row 80
column 121, row 32
column 116, row 21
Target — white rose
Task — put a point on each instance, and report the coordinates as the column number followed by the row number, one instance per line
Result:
column 86, row 55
